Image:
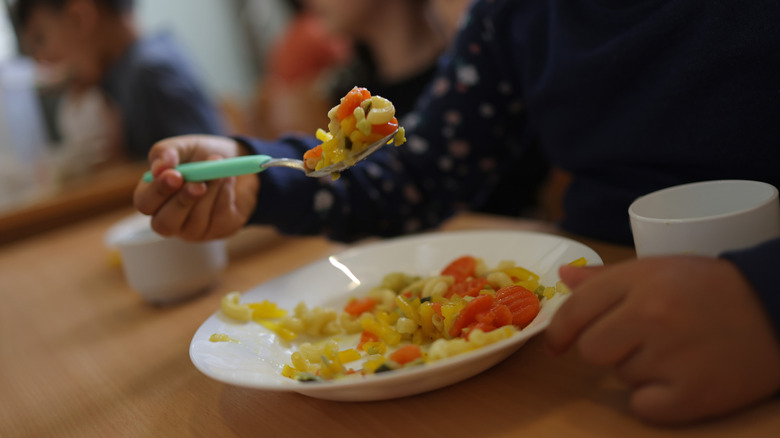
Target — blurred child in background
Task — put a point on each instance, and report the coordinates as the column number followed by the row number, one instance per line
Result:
column 390, row 47
column 296, row 89
column 397, row 44
column 148, row 79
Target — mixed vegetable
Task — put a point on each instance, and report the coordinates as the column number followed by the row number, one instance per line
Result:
column 406, row 320
column 358, row 121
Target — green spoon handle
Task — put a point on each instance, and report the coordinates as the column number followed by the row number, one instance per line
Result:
column 216, row 169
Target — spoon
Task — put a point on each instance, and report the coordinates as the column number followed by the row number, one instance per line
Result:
column 215, row 169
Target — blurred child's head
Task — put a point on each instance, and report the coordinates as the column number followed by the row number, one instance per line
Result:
column 447, row 14
column 71, row 33
column 344, row 17
column 354, row 18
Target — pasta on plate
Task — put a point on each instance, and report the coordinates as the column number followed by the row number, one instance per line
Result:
column 404, row 321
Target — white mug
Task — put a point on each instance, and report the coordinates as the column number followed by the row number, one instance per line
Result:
column 705, row 218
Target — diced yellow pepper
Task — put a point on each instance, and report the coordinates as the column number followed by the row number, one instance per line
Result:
column 286, row 334
column 530, row 284
column 266, row 309
column 387, row 317
column 521, row 274
column 579, row 262
column 383, row 331
column 372, row 364
column 549, row 292
column 561, row 288
column 329, row 146
column 378, row 347
column 338, row 155
column 400, row 136
column 322, row 135
column 426, row 319
column 450, row 312
column 348, row 125
column 358, row 136
column 350, row 355
column 439, row 299
column 409, row 308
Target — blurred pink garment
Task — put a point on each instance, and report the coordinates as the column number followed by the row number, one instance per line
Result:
column 295, row 94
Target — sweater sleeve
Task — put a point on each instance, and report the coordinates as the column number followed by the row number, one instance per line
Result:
column 759, row 264
column 457, row 145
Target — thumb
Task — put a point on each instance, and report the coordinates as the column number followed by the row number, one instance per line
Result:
column 573, row 276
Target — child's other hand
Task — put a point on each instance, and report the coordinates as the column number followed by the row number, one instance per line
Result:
column 195, row 210
column 687, row 334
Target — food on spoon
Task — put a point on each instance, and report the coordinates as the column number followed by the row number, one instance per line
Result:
column 408, row 320
column 358, row 121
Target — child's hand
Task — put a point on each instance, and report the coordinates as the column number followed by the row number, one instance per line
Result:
column 688, row 334
column 195, row 210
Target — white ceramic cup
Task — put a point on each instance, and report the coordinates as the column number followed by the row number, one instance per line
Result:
column 705, row 218
column 162, row 269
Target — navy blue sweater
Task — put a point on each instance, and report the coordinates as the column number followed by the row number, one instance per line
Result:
column 158, row 95
column 627, row 96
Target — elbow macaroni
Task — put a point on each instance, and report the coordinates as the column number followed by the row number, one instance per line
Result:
column 407, row 310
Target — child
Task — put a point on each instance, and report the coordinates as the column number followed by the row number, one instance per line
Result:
column 628, row 97
column 395, row 44
column 148, row 79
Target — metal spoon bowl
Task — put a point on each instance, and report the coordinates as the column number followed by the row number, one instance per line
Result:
column 216, row 169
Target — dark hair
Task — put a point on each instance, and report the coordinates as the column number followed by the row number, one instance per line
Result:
column 22, row 9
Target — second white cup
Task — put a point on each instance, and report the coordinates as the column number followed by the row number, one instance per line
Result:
column 705, row 218
column 164, row 270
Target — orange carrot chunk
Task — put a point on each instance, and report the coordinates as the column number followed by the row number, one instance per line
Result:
column 461, row 268
column 467, row 288
column 468, row 314
column 357, row 306
column 406, row 354
column 352, row 100
column 315, row 152
column 498, row 316
column 521, row 302
column 386, row 129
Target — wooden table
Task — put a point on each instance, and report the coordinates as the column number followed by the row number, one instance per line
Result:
column 106, row 189
column 82, row 355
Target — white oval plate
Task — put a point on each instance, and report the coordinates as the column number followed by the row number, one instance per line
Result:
column 256, row 360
